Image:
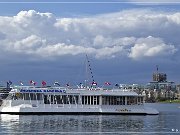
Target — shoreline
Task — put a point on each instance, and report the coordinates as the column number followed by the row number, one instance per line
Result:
column 177, row 101
column 170, row 101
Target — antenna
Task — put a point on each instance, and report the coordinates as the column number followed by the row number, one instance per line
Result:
column 157, row 68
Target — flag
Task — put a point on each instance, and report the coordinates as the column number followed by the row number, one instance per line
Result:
column 107, row 83
column 81, row 85
column 67, row 85
column 9, row 83
column 32, row 82
column 21, row 83
column 56, row 83
column 94, row 83
column 43, row 83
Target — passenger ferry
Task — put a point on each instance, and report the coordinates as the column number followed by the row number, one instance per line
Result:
column 63, row 100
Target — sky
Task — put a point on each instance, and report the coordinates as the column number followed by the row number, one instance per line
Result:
column 124, row 41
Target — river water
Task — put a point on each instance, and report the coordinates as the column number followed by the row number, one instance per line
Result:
column 167, row 122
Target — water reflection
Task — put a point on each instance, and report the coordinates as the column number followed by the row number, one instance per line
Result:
column 71, row 123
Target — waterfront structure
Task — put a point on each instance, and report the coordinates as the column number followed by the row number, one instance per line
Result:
column 159, row 77
column 64, row 100
column 159, row 82
column 159, row 88
column 155, row 85
column 177, row 93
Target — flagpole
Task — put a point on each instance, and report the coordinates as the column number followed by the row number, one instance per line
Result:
column 157, row 69
column 85, row 81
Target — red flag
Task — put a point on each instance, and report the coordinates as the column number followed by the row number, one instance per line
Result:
column 31, row 81
column 43, row 83
column 107, row 83
column 94, row 83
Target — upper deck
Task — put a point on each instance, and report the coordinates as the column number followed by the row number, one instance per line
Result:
column 73, row 91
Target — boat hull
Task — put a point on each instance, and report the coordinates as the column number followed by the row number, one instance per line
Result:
column 72, row 113
column 79, row 110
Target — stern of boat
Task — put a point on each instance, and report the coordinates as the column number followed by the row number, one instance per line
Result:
column 151, row 111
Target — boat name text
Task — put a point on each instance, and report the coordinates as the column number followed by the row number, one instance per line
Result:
column 42, row 91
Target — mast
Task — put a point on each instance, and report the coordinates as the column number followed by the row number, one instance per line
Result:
column 89, row 70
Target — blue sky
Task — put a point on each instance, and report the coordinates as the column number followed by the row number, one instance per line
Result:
column 124, row 41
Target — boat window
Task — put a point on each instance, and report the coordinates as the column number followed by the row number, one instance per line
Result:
column 97, row 100
column 113, row 100
column 39, row 96
column 60, row 99
column 46, row 99
column 131, row 100
column 27, row 96
column 16, row 96
column 140, row 100
column 86, row 100
column 90, row 100
column 65, row 99
column 32, row 96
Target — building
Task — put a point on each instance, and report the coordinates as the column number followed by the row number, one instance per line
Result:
column 177, row 93
column 160, row 82
column 160, row 88
column 159, row 77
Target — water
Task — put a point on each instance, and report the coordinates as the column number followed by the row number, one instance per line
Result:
column 167, row 122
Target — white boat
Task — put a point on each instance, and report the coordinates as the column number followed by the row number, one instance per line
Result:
column 62, row 100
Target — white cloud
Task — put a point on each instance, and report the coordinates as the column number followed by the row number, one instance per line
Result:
column 125, row 33
column 30, row 43
column 151, row 47
column 62, row 49
column 175, row 18
column 101, row 41
column 31, row 17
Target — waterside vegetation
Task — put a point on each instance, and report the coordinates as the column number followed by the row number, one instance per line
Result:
column 170, row 101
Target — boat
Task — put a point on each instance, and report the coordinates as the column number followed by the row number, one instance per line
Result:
column 33, row 100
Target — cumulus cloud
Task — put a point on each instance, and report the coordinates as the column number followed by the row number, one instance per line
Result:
column 135, row 34
column 30, row 18
column 101, row 41
column 62, row 49
column 151, row 47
